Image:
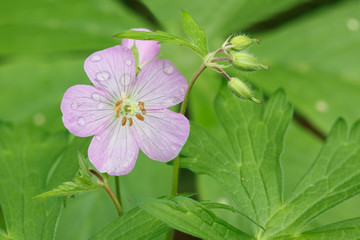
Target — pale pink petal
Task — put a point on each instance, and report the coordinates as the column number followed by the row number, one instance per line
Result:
column 112, row 70
column 159, row 83
column 162, row 134
column 147, row 49
column 114, row 150
column 86, row 110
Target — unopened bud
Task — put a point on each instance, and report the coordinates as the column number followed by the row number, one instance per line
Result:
column 246, row 62
column 242, row 42
column 241, row 90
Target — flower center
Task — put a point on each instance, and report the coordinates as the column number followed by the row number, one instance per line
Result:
column 126, row 108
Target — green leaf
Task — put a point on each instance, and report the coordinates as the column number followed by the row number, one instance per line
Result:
column 160, row 36
column 251, row 171
column 252, row 167
column 133, row 225
column 191, row 217
column 33, row 161
column 83, row 183
column 43, row 27
column 349, row 229
column 333, row 178
column 195, row 32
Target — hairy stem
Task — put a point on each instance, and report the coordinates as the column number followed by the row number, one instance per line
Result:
column 182, row 111
column 117, row 186
column 108, row 190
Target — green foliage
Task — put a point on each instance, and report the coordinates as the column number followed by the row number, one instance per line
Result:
column 251, row 172
column 195, row 32
column 135, row 224
column 83, row 183
column 32, row 162
column 191, row 217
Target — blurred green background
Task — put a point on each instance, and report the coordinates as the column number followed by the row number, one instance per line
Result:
column 313, row 48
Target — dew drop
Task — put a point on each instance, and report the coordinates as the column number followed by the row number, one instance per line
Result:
column 39, row 119
column 98, row 138
column 95, row 96
column 125, row 79
column 96, row 58
column 321, row 106
column 168, row 68
column 353, row 24
column 182, row 90
column 102, row 75
column 74, row 105
column 100, row 106
column 81, row 122
column 128, row 62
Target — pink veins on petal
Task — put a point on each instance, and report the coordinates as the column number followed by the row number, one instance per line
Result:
column 126, row 112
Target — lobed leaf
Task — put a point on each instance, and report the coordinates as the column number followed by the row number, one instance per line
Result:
column 333, row 178
column 32, row 161
column 133, row 225
column 191, row 217
column 250, row 172
column 83, row 183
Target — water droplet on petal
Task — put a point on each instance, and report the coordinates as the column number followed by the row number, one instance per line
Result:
column 168, row 68
column 95, row 58
column 74, row 105
column 171, row 101
column 93, row 117
column 128, row 62
column 95, row 96
column 104, row 75
column 100, row 106
column 182, row 90
column 125, row 79
column 98, row 138
column 81, row 122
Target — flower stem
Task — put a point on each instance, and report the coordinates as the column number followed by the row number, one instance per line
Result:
column 113, row 198
column 191, row 84
column 108, row 190
column 182, row 111
column 117, row 186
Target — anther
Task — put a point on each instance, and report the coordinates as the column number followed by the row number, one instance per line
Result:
column 130, row 122
column 140, row 117
column 118, row 112
column 123, row 121
column 143, row 111
column 118, row 103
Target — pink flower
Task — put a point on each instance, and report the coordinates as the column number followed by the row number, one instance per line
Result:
column 126, row 112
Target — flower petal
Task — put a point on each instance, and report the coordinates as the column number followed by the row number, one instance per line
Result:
column 86, row 110
column 162, row 134
column 147, row 49
column 114, row 150
column 112, row 70
column 159, row 83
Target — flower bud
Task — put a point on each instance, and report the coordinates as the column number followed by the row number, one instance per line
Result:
column 246, row 62
column 242, row 42
column 241, row 90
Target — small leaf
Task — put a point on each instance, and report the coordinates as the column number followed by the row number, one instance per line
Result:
column 160, row 36
column 135, row 224
column 190, row 216
column 195, row 32
column 83, row 183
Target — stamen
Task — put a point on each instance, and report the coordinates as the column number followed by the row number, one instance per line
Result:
column 142, row 108
column 118, row 112
column 140, row 117
column 123, row 122
column 118, row 102
column 143, row 111
column 130, row 122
